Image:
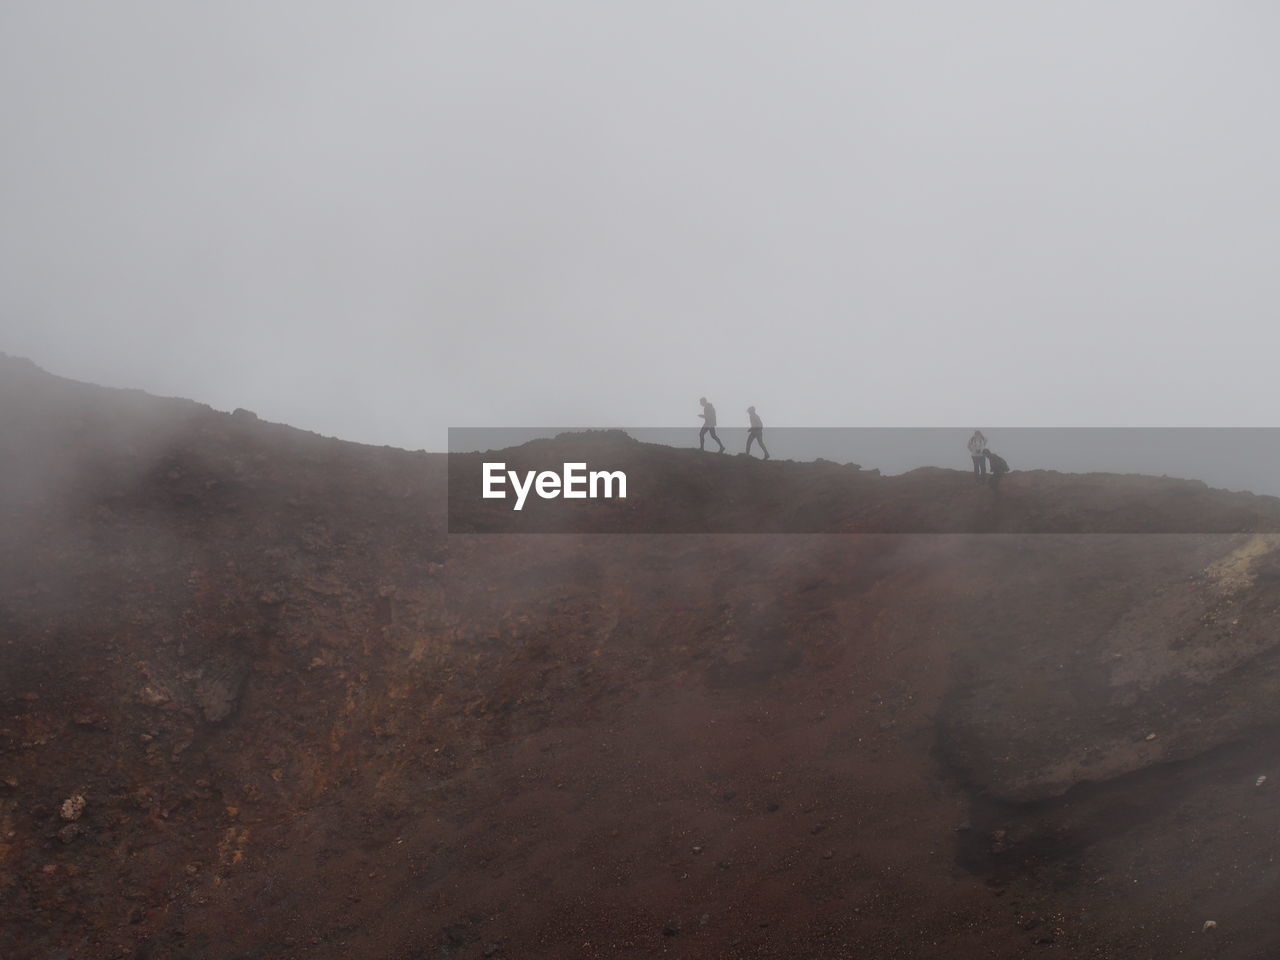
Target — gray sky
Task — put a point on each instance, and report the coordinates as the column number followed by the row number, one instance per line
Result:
column 377, row 220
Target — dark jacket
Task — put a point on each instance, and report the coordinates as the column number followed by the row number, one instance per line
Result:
column 997, row 464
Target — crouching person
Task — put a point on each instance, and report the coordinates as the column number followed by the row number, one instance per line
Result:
column 997, row 466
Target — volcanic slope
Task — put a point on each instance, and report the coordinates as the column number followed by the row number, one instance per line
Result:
column 306, row 721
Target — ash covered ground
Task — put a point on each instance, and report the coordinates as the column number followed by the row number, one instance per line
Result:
column 255, row 701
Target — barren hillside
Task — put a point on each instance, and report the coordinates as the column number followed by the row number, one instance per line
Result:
column 255, row 701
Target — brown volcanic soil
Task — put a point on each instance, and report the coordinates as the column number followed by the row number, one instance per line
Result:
column 307, row 722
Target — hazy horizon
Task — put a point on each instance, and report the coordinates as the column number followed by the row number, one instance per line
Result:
column 379, row 223
column 1234, row 459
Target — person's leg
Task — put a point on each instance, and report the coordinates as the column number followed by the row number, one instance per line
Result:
column 760, row 437
column 702, row 437
column 715, row 438
column 751, row 437
column 977, row 467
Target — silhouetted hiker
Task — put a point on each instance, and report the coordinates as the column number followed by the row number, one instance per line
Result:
column 756, row 432
column 998, row 468
column 977, row 448
column 708, row 416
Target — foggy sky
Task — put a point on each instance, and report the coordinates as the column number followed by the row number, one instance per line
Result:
column 378, row 220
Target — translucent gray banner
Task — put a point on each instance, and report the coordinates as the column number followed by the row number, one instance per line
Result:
column 864, row 480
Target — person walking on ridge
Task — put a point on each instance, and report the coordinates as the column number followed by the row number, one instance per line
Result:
column 756, row 433
column 708, row 416
column 977, row 450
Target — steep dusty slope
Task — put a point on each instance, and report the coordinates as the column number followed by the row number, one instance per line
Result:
column 305, row 721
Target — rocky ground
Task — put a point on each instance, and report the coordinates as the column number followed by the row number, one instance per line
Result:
column 255, row 701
